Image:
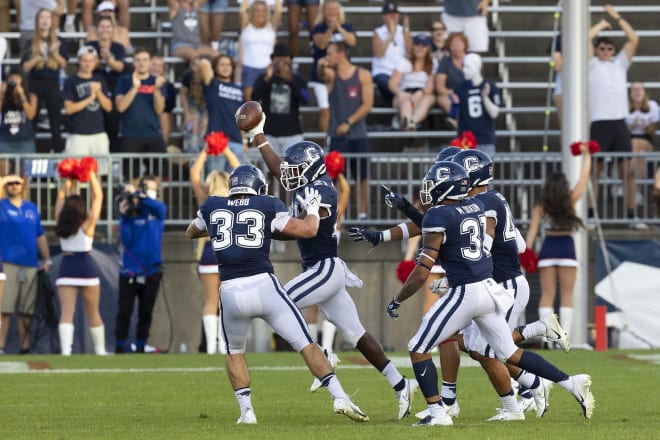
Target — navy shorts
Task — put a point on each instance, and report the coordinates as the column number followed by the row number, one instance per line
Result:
column 359, row 168
column 611, row 135
column 557, row 250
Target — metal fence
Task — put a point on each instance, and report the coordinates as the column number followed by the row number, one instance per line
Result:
column 518, row 176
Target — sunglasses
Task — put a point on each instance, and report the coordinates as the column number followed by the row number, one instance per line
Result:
column 12, row 183
column 606, row 48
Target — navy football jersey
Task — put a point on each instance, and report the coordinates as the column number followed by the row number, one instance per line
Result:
column 506, row 262
column 472, row 115
column 240, row 231
column 462, row 253
column 324, row 245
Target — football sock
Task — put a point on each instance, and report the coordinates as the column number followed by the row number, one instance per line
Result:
column 448, row 393
column 544, row 311
column 509, row 402
column 314, row 331
column 427, row 377
column 335, row 389
column 536, row 328
column 98, row 339
column 566, row 318
column 210, row 323
column 393, row 376
column 243, row 395
column 436, row 408
column 328, row 338
column 534, row 363
column 528, row 380
column 66, row 338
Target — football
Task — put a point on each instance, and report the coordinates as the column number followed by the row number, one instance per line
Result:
column 248, row 115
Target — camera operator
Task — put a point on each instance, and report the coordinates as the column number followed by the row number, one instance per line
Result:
column 19, row 108
column 141, row 224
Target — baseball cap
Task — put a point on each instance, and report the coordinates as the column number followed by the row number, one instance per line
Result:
column 390, row 8
column 105, row 6
column 281, row 50
column 87, row 49
column 422, row 39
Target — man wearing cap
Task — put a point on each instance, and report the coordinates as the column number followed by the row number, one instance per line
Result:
column 21, row 239
column 86, row 98
column 390, row 44
column 108, row 9
column 470, row 18
column 281, row 92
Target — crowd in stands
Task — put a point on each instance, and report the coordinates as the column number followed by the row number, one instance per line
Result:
column 415, row 71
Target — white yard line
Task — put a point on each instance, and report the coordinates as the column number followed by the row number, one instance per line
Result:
column 23, row 367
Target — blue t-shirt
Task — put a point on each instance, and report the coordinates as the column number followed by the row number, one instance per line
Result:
column 103, row 69
column 44, row 74
column 240, row 231
column 140, row 119
column 506, row 262
column 317, row 52
column 141, row 238
column 324, row 244
column 19, row 230
column 14, row 124
column 472, row 115
column 222, row 101
column 90, row 119
column 462, row 253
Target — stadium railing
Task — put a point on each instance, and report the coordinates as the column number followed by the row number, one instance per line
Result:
column 518, row 176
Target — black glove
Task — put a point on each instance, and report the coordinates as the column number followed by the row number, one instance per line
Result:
column 392, row 308
column 362, row 234
column 403, row 205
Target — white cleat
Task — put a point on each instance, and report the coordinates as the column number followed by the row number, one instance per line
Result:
column 540, row 399
column 350, row 410
column 527, row 404
column 452, row 411
column 582, row 393
column 333, row 360
column 405, row 397
column 247, row 418
column 547, row 387
column 440, row 420
column 554, row 332
column 504, row 415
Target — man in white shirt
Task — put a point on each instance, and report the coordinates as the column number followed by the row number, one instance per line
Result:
column 608, row 96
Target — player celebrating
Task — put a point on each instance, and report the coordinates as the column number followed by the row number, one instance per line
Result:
column 325, row 275
column 241, row 227
column 453, row 231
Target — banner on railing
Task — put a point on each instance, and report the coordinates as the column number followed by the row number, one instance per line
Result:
column 631, row 291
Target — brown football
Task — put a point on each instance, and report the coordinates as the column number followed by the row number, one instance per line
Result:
column 248, row 115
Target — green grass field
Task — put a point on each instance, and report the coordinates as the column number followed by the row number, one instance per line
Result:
column 188, row 396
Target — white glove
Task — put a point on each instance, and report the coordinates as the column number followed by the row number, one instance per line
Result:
column 440, row 286
column 312, row 201
column 258, row 129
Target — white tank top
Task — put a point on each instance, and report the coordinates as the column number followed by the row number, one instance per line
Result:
column 258, row 45
column 79, row 242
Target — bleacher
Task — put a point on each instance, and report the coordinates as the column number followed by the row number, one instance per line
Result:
column 518, row 60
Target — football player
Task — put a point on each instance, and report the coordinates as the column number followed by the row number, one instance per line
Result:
column 325, row 275
column 241, row 227
column 453, row 230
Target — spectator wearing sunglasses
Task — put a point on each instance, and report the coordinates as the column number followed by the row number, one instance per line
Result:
column 22, row 240
column 608, row 97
